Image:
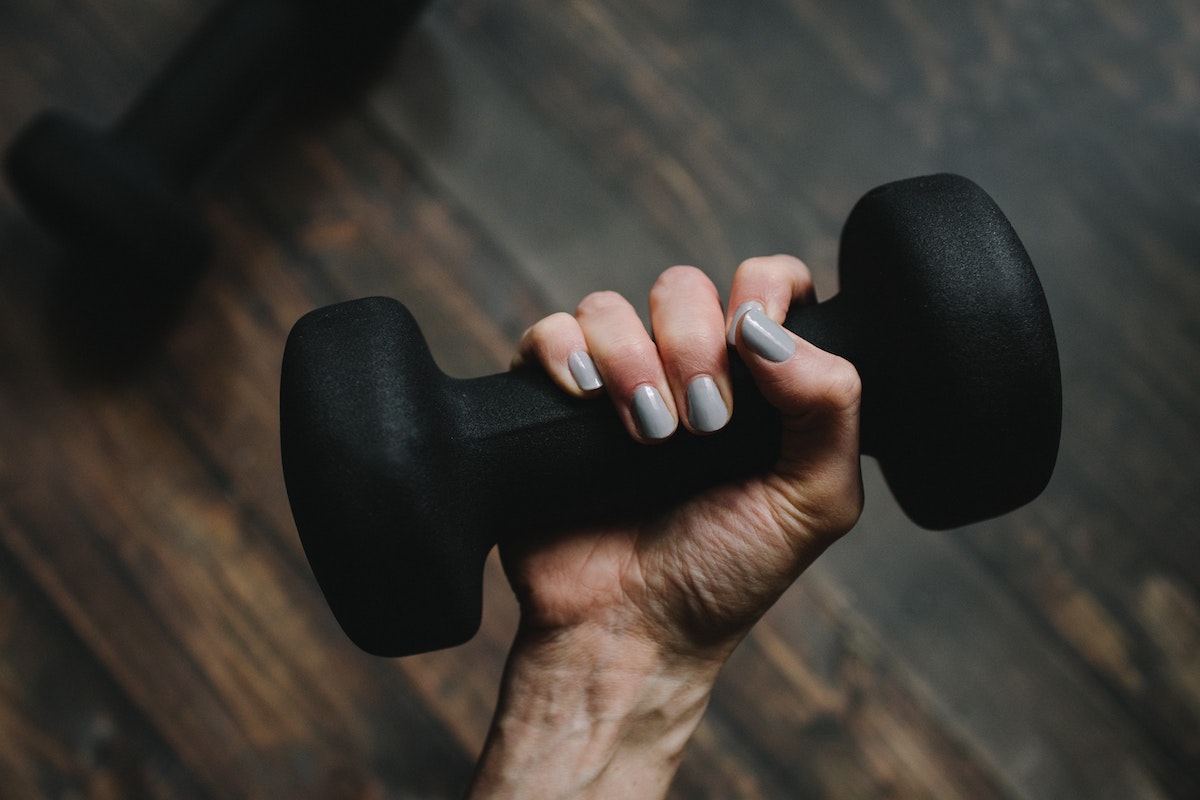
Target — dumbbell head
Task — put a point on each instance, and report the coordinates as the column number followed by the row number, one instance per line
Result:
column 104, row 201
column 953, row 338
column 402, row 479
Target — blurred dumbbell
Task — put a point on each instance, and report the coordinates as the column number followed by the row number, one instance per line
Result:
column 118, row 200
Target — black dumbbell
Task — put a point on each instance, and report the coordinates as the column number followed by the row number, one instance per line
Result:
column 118, row 199
column 401, row 479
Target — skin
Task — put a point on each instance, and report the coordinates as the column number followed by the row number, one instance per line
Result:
column 624, row 628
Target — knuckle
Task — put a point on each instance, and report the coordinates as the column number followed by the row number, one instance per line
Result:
column 628, row 364
column 550, row 325
column 678, row 275
column 686, row 310
column 756, row 263
column 693, row 347
column 681, row 286
column 776, row 267
column 547, row 329
column 634, row 351
column 842, row 388
column 599, row 302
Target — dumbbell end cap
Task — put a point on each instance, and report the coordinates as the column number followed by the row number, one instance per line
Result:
column 963, row 393
column 362, row 442
column 104, row 203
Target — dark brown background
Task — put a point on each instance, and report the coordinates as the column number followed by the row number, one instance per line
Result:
column 160, row 634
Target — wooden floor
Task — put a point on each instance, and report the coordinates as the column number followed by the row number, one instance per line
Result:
column 160, row 633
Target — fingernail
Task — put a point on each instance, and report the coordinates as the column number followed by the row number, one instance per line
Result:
column 766, row 337
column 583, row 370
column 706, row 407
column 650, row 414
column 731, row 336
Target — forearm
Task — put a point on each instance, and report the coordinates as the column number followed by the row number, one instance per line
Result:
column 591, row 714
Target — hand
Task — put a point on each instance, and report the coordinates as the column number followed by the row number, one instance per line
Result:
column 695, row 579
column 646, row 612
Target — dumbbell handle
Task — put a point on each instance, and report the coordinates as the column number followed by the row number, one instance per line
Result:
column 244, row 54
column 546, row 454
column 214, row 87
column 514, row 444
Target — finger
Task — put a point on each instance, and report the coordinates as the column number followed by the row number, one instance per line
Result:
column 557, row 345
column 689, row 329
column 629, row 363
column 770, row 283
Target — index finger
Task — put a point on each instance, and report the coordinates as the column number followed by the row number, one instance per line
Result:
column 773, row 283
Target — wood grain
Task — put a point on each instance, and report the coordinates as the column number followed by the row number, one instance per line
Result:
column 160, row 633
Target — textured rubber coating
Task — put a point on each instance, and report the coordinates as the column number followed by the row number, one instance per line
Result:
column 402, row 479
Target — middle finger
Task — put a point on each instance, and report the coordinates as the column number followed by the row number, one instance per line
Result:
column 689, row 327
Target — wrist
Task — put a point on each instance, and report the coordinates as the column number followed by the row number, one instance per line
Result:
column 588, row 712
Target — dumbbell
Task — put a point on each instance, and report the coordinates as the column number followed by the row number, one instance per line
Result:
column 118, row 199
column 401, row 479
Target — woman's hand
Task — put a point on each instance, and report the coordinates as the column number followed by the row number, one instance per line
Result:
column 623, row 628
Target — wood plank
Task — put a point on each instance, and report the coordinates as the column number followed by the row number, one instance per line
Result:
column 1013, row 693
column 830, row 708
column 67, row 729
column 516, row 156
column 1133, row 620
column 481, row 146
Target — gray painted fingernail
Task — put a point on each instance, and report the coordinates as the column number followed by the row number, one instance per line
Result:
column 731, row 336
column 766, row 337
column 584, row 371
column 651, row 415
column 706, row 407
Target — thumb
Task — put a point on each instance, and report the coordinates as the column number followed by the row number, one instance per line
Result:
column 818, row 395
